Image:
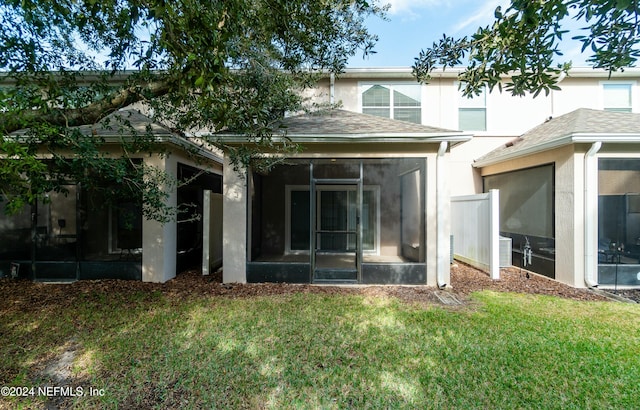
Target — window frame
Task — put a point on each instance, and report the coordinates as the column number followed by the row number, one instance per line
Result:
column 632, row 95
column 391, row 85
column 460, row 107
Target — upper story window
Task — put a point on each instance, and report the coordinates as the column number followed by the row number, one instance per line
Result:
column 396, row 101
column 472, row 112
column 617, row 97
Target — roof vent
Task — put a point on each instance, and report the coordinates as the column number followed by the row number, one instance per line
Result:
column 512, row 142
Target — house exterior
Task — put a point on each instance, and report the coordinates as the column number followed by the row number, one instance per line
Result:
column 367, row 198
column 73, row 236
column 494, row 118
column 499, row 121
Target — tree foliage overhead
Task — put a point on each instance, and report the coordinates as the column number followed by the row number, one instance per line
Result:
column 196, row 64
column 523, row 42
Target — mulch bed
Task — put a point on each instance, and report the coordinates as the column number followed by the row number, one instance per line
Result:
column 26, row 295
column 465, row 280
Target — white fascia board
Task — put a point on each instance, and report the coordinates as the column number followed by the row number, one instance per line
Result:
column 178, row 142
column 173, row 140
column 190, row 145
column 619, row 138
column 615, row 138
column 407, row 72
column 524, row 152
column 360, row 138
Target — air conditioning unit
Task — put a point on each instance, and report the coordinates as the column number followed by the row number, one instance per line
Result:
column 505, row 252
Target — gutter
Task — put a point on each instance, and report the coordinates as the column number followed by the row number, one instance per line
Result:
column 591, row 214
column 587, row 138
column 360, row 138
column 332, row 88
column 442, row 242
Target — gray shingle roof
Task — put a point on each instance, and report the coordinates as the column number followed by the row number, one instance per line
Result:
column 123, row 122
column 580, row 121
column 126, row 122
column 342, row 122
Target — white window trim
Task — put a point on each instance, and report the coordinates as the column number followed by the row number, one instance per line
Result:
column 458, row 95
column 635, row 98
column 390, row 84
column 287, row 214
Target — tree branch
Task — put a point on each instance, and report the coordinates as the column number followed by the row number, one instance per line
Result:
column 85, row 115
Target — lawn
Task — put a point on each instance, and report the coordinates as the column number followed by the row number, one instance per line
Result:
column 152, row 349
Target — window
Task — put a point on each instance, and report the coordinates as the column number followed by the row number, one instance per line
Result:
column 398, row 101
column 617, row 97
column 472, row 112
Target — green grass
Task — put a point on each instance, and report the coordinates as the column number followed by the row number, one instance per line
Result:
column 321, row 351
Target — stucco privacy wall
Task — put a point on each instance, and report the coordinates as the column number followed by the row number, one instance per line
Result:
column 568, row 204
column 159, row 241
column 235, row 203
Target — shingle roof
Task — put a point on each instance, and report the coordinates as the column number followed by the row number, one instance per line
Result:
column 126, row 122
column 562, row 128
column 123, row 122
column 332, row 122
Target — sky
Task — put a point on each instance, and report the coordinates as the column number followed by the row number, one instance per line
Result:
column 416, row 24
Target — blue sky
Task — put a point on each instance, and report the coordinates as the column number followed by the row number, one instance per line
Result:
column 416, row 24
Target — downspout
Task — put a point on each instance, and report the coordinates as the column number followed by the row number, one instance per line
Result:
column 590, row 213
column 441, row 203
column 561, row 77
column 332, row 88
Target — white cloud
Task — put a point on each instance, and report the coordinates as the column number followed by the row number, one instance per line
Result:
column 480, row 16
column 411, row 8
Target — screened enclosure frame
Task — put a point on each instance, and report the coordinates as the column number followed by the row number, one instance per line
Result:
column 541, row 244
column 618, row 244
column 61, row 247
column 352, row 210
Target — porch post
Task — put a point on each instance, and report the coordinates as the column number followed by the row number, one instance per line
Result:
column 591, row 215
column 159, row 241
column 234, row 225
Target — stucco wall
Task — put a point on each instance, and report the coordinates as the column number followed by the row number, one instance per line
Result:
column 234, row 226
column 465, row 179
column 159, row 241
column 568, row 203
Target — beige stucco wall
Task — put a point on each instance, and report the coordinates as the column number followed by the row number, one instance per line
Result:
column 587, row 93
column 568, row 202
column 159, row 241
column 506, row 115
column 465, row 179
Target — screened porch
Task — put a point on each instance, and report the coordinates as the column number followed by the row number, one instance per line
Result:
column 338, row 220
